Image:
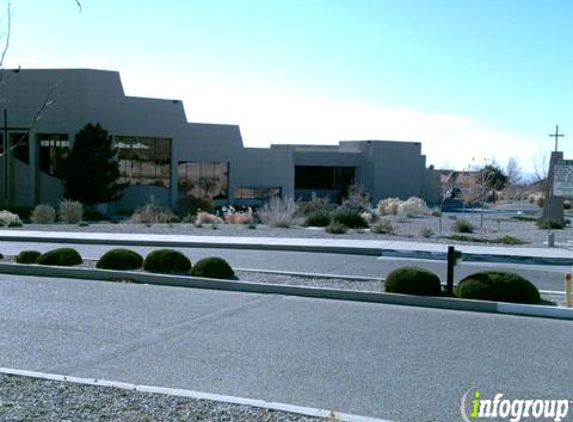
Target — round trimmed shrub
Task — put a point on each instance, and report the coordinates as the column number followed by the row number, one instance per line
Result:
column 213, row 267
column 413, row 281
column 317, row 219
column 498, row 286
column 28, row 257
column 350, row 218
column 167, row 261
column 65, row 257
column 120, row 259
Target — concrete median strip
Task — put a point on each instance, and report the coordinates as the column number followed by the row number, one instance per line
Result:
column 386, row 248
column 308, row 411
column 287, row 290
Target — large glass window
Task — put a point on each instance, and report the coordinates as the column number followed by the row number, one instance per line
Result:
column 323, row 178
column 54, row 149
column 144, row 161
column 19, row 143
column 203, row 179
column 256, row 193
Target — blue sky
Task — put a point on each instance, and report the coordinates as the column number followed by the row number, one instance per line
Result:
column 470, row 79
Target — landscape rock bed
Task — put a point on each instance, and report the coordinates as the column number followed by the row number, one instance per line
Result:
column 32, row 399
column 406, row 229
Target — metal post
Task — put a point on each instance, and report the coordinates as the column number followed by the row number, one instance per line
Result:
column 568, row 282
column 450, row 274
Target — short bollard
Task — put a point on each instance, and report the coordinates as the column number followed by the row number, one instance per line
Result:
column 568, row 288
column 454, row 258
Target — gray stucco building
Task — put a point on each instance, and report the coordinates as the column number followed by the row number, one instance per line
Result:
column 161, row 154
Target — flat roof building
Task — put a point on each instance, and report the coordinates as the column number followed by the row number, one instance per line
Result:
column 161, row 154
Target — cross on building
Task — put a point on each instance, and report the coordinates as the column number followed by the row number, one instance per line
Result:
column 557, row 135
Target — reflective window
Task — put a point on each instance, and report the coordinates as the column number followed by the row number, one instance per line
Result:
column 54, row 149
column 144, row 161
column 256, row 193
column 203, row 179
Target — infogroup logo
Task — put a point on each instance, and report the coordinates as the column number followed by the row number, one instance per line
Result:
column 475, row 407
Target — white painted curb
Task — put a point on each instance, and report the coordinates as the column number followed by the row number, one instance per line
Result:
column 308, row 411
column 536, row 311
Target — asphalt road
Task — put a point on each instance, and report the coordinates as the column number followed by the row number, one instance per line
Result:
column 544, row 277
column 395, row 362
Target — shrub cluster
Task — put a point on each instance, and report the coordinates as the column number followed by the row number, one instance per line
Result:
column 120, row 259
column 350, row 218
column 383, row 226
column 166, row 261
column 152, row 213
column 336, row 228
column 203, row 217
column 317, row 219
column 413, row 281
column 66, row 257
column 9, row 219
column 412, row 207
column 498, row 286
column 28, row 257
column 463, row 226
column 213, row 267
column 305, row 208
column 550, row 224
column 232, row 216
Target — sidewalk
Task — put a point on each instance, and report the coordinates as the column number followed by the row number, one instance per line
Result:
column 421, row 250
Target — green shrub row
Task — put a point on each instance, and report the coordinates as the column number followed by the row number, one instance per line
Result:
column 163, row 261
column 495, row 286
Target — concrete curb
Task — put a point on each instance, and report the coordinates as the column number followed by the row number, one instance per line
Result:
column 308, row 411
column 300, row 291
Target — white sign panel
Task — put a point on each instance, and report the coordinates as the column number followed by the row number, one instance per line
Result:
column 563, row 178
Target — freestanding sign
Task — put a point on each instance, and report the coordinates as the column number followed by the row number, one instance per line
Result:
column 563, row 179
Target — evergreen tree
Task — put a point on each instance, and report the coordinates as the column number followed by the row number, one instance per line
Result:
column 91, row 171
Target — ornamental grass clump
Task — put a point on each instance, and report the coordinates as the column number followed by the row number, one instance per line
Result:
column 166, row 261
column 278, row 212
column 213, row 267
column 65, row 257
column 28, row 257
column 498, row 286
column 413, row 281
column 120, row 259
column 71, row 212
column 43, row 214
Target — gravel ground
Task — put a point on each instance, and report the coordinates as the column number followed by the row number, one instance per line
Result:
column 25, row 399
column 495, row 224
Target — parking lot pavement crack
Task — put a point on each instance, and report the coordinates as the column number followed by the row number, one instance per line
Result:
column 93, row 358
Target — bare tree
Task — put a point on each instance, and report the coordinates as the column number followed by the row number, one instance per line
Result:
column 513, row 172
column 49, row 98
